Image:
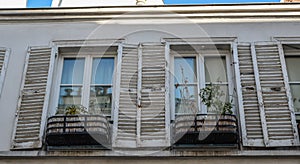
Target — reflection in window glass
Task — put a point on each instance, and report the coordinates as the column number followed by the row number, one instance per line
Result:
column 295, row 89
column 101, row 86
column 185, row 70
column 71, row 82
column 69, row 96
column 185, row 85
column 186, row 99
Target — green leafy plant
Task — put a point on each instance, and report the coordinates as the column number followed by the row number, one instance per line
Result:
column 211, row 96
column 73, row 110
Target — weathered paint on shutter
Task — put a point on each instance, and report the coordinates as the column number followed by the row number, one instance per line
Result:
column 125, row 121
column 279, row 113
column 249, row 108
column 153, row 124
column 266, row 114
column 4, row 55
column 33, row 100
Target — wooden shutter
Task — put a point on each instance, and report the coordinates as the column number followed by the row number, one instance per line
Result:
column 141, row 118
column 4, row 55
column 33, row 100
column 266, row 112
column 125, row 121
column 153, row 124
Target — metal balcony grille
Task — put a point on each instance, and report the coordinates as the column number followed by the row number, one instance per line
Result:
column 203, row 129
column 78, row 130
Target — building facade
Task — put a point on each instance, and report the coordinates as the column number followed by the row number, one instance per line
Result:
column 127, row 84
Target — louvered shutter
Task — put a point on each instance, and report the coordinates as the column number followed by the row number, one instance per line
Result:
column 4, row 55
column 126, row 103
column 33, row 100
column 266, row 112
column 141, row 116
column 154, row 131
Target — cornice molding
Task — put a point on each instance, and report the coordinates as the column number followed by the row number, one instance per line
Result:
column 262, row 12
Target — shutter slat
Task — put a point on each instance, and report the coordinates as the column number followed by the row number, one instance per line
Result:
column 32, row 106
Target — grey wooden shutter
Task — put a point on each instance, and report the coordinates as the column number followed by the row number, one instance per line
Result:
column 4, row 55
column 141, row 118
column 249, row 111
column 33, row 100
column 154, row 129
column 126, row 103
column 266, row 112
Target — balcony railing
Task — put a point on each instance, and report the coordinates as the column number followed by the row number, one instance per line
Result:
column 78, row 130
column 202, row 129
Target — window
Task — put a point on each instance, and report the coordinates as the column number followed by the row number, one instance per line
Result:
column 292, row 58
column 87, row 79
column 194, row 67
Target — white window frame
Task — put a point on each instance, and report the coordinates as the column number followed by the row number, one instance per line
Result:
column 201, row 68
column 200, row 73
column 87, row 72
column 86, row 84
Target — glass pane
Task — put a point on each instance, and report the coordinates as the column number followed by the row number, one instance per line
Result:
column 100, row 100
column 69, row 96
column 296, row 96
column 293, row 68
column 72, row 71
column 215, row 69
column 102, row 71
column 186, row 99
column 223, row 96
column 185, row 70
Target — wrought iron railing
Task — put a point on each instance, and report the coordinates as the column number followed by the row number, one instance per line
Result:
column 74, row 130
column 205, row 129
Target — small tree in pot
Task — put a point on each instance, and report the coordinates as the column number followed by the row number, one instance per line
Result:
column 213, row 97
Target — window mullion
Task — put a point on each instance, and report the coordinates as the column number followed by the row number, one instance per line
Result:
column 86, row 82
column 201, row 81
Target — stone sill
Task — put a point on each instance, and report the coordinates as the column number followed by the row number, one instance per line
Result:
column 154, row 153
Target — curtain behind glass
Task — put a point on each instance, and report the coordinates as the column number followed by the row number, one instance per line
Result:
column 102, row 71
column 72, row 71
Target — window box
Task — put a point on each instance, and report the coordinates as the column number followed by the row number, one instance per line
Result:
column 205, row 129
column 78, row 130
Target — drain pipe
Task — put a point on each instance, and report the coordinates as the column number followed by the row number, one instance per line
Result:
column 141, row 2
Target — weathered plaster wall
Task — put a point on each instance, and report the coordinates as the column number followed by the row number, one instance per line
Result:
column 18, row 36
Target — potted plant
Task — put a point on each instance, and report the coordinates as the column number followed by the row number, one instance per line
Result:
column 72, row 110
column 213, row 97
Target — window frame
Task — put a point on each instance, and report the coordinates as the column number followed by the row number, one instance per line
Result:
column 297, row 113
column 201, row 83
column 54, row 95
column 87, row 73
column 4, row 67
column 287, row 41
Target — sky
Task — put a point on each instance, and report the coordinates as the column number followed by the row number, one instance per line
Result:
column 47, row 3
column 214, row 1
